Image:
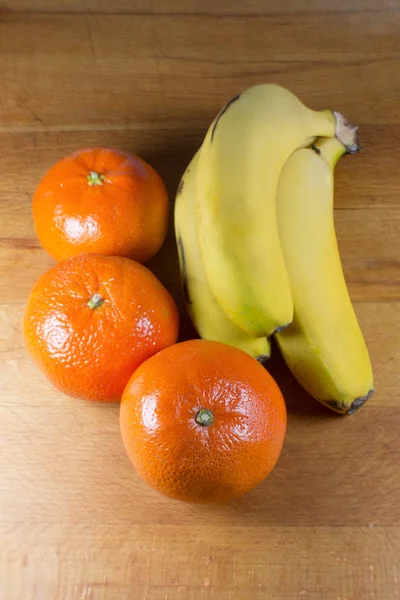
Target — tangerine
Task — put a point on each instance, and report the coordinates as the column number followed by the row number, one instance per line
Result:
column 92, row 320
column 101, row 200
column 202, row 421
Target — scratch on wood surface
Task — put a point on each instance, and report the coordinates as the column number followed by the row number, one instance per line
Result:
column 86, row 593
column 23, row 103
column 157, row 45
column 90, row 38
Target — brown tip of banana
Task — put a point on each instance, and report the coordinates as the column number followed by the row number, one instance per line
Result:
column 346, row 133
column 359, row 402
column 343, row 408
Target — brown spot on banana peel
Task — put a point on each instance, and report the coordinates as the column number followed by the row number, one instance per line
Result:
column 185, row 286
column 317, row 150
column 346, row 133
column 337, row 406
column 180, row 187
column 227, row 105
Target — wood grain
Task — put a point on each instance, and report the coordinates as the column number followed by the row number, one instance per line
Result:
column 218, row 562
column 368, row 242
column 186, row 67
column 147, row 76
column 367, row 180
column 195, row 7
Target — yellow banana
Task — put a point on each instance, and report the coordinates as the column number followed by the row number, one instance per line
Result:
column 204, row 311
column 324, row 347
column 240, row 162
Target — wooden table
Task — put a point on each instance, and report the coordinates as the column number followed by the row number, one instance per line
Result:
column 148, row 76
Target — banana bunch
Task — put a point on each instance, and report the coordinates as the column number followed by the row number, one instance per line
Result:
column 257, row 245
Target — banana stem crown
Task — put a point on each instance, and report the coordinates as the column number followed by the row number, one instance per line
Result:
column 346, row 133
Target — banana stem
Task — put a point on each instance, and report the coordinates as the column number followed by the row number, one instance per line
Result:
column 346, row 133
column 330, row 149
column 326, row 123
column 323, row 123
